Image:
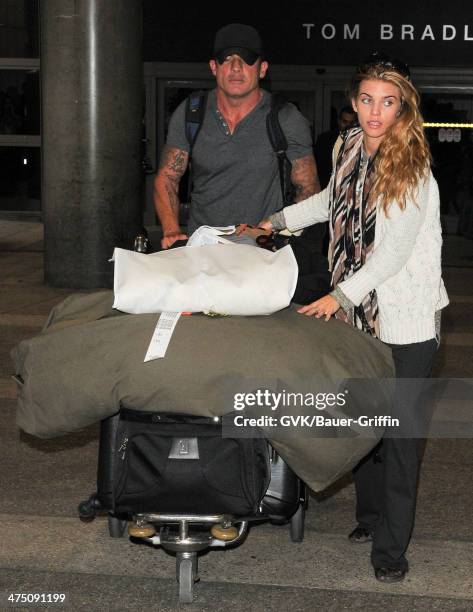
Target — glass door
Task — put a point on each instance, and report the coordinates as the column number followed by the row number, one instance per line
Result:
column 449, row 127
column 20, row 159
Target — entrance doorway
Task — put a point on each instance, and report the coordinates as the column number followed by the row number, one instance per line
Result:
column 449, row 128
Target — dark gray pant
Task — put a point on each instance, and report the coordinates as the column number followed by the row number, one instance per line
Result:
column 386, row 479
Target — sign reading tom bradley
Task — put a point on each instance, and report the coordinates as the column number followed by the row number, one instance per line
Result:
column 387, row 31
column 319, row 32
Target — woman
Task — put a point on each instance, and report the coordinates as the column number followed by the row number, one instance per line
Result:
column 382, row 204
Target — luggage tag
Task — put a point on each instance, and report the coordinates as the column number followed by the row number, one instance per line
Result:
column 162, row 335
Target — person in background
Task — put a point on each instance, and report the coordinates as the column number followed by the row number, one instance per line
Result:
column 383, row 207
column 325, row 143
column 234, row 168
column 326, row 150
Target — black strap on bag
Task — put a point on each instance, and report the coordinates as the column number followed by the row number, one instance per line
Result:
column 196, row 105
column 278, row 141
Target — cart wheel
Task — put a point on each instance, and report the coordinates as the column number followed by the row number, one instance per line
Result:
column 116, row 526
column 297, row 524
column 186, row 581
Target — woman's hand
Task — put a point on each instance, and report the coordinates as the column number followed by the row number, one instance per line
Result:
column 325, row 307
column 250, row 230
column 266, row 225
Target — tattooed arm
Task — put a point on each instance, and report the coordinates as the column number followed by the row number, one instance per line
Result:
column 304, row 177
column 172, row 165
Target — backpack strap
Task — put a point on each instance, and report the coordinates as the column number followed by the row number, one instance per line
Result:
column 278, row 141
column 196, row 105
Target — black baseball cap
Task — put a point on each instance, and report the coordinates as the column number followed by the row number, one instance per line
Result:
column 243, row 40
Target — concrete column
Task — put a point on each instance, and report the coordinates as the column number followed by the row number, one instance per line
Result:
column 92, row 111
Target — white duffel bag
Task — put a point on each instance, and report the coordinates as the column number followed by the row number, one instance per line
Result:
column 231, row 279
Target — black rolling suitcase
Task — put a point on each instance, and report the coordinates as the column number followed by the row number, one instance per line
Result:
column 172, row 473
column 152, row 462
column 169, row 462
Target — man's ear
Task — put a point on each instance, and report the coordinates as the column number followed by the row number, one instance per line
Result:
column 263, row 69
column 213, row 66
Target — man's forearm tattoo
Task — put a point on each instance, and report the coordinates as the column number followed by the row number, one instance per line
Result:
column 171, row 190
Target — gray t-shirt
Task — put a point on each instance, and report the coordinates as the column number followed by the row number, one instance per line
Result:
column 235, row 176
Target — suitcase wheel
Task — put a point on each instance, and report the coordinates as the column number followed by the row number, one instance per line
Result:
column 88, row 508
column 226, row 534
column 186, row 575
column 141, row 530
column 116, row 526
column 297, row 524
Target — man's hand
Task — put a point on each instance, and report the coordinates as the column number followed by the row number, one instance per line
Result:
column 325, row 307
column 170, row 238
column 240, row 228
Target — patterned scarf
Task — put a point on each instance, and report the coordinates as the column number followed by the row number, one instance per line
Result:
column 352, row 226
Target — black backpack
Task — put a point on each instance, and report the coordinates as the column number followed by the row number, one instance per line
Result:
column 196, row 105
column 313, row 281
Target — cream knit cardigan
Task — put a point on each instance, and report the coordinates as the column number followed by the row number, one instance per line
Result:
column 404, row 266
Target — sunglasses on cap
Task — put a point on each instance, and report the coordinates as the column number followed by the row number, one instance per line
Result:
column 248, row 56
column 380, row 59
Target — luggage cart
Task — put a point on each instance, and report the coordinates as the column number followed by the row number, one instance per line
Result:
column 186, row 534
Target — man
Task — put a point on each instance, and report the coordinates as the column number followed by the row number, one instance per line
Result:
column 326, row 141
column 234, row 168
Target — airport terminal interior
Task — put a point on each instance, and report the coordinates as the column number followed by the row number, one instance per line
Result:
column 45, row 547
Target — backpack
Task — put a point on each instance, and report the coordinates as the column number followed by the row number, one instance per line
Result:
column 313, row 281
column 196, row 105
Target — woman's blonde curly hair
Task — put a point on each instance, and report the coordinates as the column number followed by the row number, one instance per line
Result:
column 403, row 158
